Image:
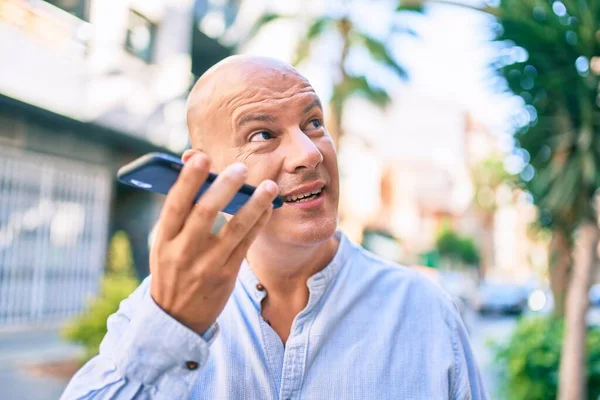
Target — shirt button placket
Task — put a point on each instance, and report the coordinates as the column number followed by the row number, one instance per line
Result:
column 293, row 366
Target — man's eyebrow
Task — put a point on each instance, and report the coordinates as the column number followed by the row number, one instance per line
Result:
column 255, row 117
column 315, row 103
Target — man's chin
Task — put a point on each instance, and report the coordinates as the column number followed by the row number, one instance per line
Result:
column 305, row 233
column 311, row 233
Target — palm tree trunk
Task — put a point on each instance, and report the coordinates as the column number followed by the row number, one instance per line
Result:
column 573, row 368
column 560, row 263
column 336, row 106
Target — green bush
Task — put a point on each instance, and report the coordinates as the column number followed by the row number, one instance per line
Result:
column 89, row 328
column 451, row 245
column 530, row 360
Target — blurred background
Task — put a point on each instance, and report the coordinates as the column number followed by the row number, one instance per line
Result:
column 468, row 135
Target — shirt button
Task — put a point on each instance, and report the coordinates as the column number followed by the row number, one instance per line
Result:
column 260, row 287
column 191, row 365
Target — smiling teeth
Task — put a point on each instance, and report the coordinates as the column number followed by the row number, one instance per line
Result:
column 302, row 196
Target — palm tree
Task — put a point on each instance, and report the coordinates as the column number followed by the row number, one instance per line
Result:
column 348, row 83
column 552, row 73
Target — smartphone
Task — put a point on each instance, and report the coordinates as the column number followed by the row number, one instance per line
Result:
column 157, row 172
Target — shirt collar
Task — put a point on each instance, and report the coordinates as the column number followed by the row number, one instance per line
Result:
column 317, row 284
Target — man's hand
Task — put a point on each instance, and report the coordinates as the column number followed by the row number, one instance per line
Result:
column 194, row 271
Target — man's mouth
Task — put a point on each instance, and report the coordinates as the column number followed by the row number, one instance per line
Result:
column 304, row 197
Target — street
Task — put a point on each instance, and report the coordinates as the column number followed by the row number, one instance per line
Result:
column 483, row 329
column 21, row 354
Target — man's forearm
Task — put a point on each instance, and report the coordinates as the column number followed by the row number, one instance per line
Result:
column 145, row 354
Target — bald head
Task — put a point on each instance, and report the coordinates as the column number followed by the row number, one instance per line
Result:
column 263, row 113
column 233, row 79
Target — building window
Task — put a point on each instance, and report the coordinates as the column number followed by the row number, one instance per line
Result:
column 141, row 33
column 78, row 8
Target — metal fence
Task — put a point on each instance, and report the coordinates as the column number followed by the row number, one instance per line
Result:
column 53, row 228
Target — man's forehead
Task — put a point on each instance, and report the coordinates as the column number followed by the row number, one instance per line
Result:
column 243, row 81
column 239, row 75
column 256, row 84
column 269, row 94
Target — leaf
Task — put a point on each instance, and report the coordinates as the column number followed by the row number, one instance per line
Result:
column 376, row 96
column 589, row 168
column 410, row 6
column 264, row 20
column 318, row 26
column 359, row 85
column 379, row 52
column 302, row 51
column 403, row 30
column 316, row 29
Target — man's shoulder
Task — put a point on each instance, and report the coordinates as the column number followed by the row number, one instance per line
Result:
column 415, row 283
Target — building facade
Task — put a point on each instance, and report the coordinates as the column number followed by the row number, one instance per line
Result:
column 85, row 87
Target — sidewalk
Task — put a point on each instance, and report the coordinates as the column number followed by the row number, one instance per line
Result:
column 20, row 352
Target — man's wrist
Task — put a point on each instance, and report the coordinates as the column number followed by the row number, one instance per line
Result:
column 155, row 343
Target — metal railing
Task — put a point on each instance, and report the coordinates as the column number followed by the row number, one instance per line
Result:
column 53, row 232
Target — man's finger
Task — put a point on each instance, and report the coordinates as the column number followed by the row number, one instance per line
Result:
column 220, row 193
column 180, row 198
column 246, row 218
column 239, row 253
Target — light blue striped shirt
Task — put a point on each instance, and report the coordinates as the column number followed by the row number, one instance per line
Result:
column 371, row 330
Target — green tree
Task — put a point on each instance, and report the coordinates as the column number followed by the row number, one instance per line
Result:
column 348, row 83
column 550, row 62
column 117, row 284
column 456, row 248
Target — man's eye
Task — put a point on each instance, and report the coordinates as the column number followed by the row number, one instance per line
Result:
column 261, row 136
column 316, row 123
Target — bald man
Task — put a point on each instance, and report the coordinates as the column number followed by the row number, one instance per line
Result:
column 278, row 304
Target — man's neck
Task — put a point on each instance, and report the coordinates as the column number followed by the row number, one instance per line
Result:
column 283, row 274
column 285, row 269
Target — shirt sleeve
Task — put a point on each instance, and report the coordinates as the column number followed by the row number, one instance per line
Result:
column 466, row 383
column 146, row 354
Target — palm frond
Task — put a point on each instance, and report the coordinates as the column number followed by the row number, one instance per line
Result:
column 264, row 20
column 564, row 141
column 359, row 86
column 316, row 29
column 411, row 6
column 379, row 52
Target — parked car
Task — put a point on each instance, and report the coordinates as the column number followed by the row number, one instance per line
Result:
column 594, row 295
column 502, row 298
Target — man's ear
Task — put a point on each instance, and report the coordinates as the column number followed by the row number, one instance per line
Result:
column 188, row 154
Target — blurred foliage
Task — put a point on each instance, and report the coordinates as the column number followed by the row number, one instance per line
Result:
column 347, row 83
column 530, row 360
column 488, row 175
column 458, row 249
column 119, row 281
column 550, row 58
column 430, row 258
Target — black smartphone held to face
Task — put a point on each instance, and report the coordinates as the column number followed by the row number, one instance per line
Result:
column 157, row 172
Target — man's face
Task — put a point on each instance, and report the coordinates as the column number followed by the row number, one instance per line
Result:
column 272, row 121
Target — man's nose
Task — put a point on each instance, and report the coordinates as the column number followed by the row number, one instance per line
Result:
column 302, row 153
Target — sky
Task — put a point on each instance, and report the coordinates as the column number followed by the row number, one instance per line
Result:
column 447, row 61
